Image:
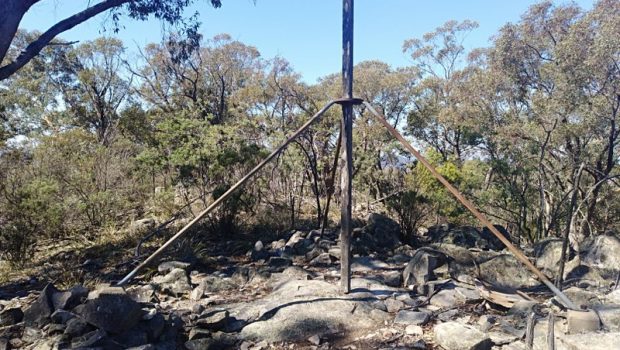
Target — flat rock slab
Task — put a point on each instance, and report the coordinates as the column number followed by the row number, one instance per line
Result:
column 458, row 336
column 412, row 317
column 589, row 341
column 297, row 310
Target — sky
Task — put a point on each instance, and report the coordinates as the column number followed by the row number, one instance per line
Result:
column 307, row 33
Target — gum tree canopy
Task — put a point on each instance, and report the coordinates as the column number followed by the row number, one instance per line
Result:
column 12, row 12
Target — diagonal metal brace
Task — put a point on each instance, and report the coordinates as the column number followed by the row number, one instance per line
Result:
column 472, row 208
column 227, row 194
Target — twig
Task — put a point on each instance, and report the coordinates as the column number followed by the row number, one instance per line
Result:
column 551, row 332
column 529, row 331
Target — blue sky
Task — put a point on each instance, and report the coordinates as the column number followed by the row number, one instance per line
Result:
column 308, row 32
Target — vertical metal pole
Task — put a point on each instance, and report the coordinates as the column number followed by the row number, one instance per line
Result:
column 347, row 153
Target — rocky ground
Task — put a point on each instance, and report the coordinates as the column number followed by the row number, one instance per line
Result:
column 457, row 290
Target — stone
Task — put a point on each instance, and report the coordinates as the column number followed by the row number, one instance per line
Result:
column 278, row 262
column 11, row 316
column 392, row 278
column 154, row 327
column 463, row 236
column 131, row 338
column 315, row 339
column 215, row 284
column 214, row 320
column 393, row 305
column 322, row 260
column 31, row 334
column 112, row 310
column 380, row 234
column 296, row 272
column 168, row 266
column 494, row 242
column 89, row 339
column 39, row 312
column 419, row 344
column 4, row 344
column 67, row 300
column 505, row 271
column 421, row 266
column 590, row 341
column 580, row 321
column 522, row 308
column 62, row 316
column 259, row 252
column 76, row 327
column 419, row 318
column 142, row 294
column 413, row 329
column 456, row 336
column 446, row 298
column 175, row 283
column 548, row 253
column 609, row 315
column 198, row 333
column 602, row 251
column 197, row 293
column 204, row 344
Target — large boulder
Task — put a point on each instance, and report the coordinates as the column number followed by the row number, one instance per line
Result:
column 39, row 312
column 421, row 266
column 111, row 310
column 495, row 243
column 174, row 282
column 380, row 234
column 458, row 336
column 602, row 252
column 505, row 271
column 548, row 253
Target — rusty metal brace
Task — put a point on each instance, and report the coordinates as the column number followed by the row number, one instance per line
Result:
column 472, row 208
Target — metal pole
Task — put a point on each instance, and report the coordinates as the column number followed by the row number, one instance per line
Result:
column 227, row 194
column 347, row 152
column 469, row 205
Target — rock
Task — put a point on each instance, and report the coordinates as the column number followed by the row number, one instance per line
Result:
column 505, row 271
column 315, row 339
column 142, row 294
column 419, row 318
column 322, row 260
column 62, row 316
column 590, row 341
column 89, row 339
column 419, row 344
column 548, row 253
column 199, row 333
column 494, row 242
column 421, row 266
column 175, row 283
column 214, row 320
column 522, row 308
column 154, row 327
column 296, row 272
column 602, row 252
column 580, row 321
column 131, row 338
column 278, row 262
column 38, row 314
column 67, row 300
column 385, row 231
column 446, row 298
column 464, row 236
column 392, row 278
column 414, row 330
column 112, row 310
column 76, row 327
column 259, row 252
column 4, row 344
column 448, row 315
column 298, row 309
column 381, row 233
column 457, row 336
column 215, row 284
column 486, row 322
column 393, row 305
column 610, row 316
column 30, row 334
column 204, row 344
column 168, row 266
column 11, row 316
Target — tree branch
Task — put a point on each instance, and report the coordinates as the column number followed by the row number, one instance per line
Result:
column 34, row 48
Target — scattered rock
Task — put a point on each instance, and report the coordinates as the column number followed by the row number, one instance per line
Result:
column 259, row 252
column 11, row 316
column 420, row 268
column 457, row 336
column 112, row 310
column 419, row 318
column 67, row 300
column 39, row 312
column 175, row 282
column 414, row 330
column 279, row 262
